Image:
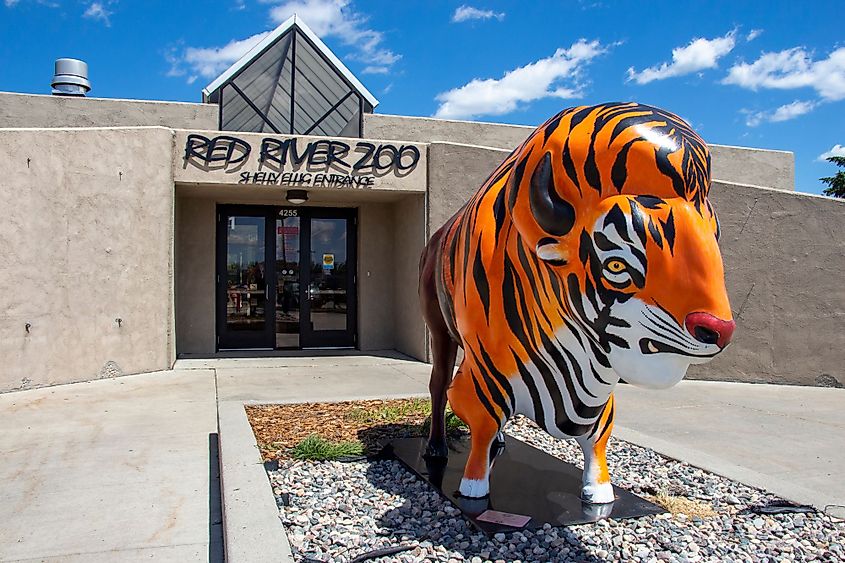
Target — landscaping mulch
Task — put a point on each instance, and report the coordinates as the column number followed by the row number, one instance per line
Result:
column 280, row 427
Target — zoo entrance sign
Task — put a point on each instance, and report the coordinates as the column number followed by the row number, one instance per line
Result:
column 301, row 162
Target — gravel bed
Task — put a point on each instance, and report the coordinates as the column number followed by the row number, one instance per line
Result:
column 337, row 511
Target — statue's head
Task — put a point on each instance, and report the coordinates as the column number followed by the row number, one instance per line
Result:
column 612, row 199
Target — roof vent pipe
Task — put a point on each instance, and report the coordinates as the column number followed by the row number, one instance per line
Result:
column 71, row 78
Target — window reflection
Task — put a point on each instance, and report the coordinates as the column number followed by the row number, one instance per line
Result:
column 327, row 292
column 246, row 283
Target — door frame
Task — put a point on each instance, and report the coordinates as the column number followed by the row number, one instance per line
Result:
column 265, row 339
column 308, row 338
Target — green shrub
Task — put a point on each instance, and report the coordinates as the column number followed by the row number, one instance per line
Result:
column 316, row 448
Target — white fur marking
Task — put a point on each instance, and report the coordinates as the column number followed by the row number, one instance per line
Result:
column 597, row 493
column 474, row 488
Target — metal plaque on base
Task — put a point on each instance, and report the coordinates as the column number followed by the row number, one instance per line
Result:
column 526, row 482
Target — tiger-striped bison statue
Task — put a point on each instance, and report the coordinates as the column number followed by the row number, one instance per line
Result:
column 589, row 255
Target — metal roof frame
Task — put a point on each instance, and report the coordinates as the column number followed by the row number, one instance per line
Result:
column 269, row 41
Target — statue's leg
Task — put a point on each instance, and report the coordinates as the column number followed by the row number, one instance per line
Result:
column 596, row 487
column 444, row 350
column 483, row 430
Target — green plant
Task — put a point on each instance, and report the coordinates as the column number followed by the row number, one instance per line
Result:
column 836, row 183
column 317, row 448
column 454, row 424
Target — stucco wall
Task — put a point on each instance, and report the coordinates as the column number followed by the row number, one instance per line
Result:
column 33, row 110
column 773, row 169
column 428, row 130
column 456, row 172
column 784, row 267
column 195, row 275
column 409, row 236
column 784, row 260
column 757, row 167
column 376, row 277
column 87, row 238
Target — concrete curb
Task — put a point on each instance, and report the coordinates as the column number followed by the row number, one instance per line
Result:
column 781, row 487
column 252, row 530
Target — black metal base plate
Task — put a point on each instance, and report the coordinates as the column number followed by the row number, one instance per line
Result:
column 524, row 481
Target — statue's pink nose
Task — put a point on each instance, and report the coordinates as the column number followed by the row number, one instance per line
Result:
column 708, row 329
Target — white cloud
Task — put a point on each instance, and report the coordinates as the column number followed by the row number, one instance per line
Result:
column 699, row 54
column 753, row 34
column 837, row 150
column 783, row 113
column 47, row 3
column 793, row 68
column 467, row 13
column 337, row 18
column 209, row 62
column 97, row 11
column 375, row 69
column 557, row 76
column 325, row 17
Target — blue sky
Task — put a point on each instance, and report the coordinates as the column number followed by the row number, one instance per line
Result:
column 742, row 74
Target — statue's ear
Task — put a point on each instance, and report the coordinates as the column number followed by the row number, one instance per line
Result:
column 554, row 215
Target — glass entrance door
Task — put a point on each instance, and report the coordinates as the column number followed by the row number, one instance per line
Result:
column 329, row 307
column 286, row 277
column 245, row 279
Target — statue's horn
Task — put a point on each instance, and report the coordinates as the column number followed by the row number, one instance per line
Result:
column 554, row 214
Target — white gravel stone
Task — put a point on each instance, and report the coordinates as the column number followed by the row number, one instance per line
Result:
column 340, row 510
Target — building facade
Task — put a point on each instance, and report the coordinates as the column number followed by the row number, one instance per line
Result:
column 282, row 214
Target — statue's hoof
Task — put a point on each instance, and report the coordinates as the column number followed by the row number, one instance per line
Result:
column 596, row 512
column 474, row 488
column 600, row 493
column 436, row 449
column 473, row 506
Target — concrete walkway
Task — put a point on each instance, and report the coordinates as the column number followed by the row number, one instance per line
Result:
column 304, row 379
column 782, row 438
column 125, row 469
column 113, row 470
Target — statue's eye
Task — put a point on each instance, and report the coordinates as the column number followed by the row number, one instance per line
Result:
column 615, row 266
